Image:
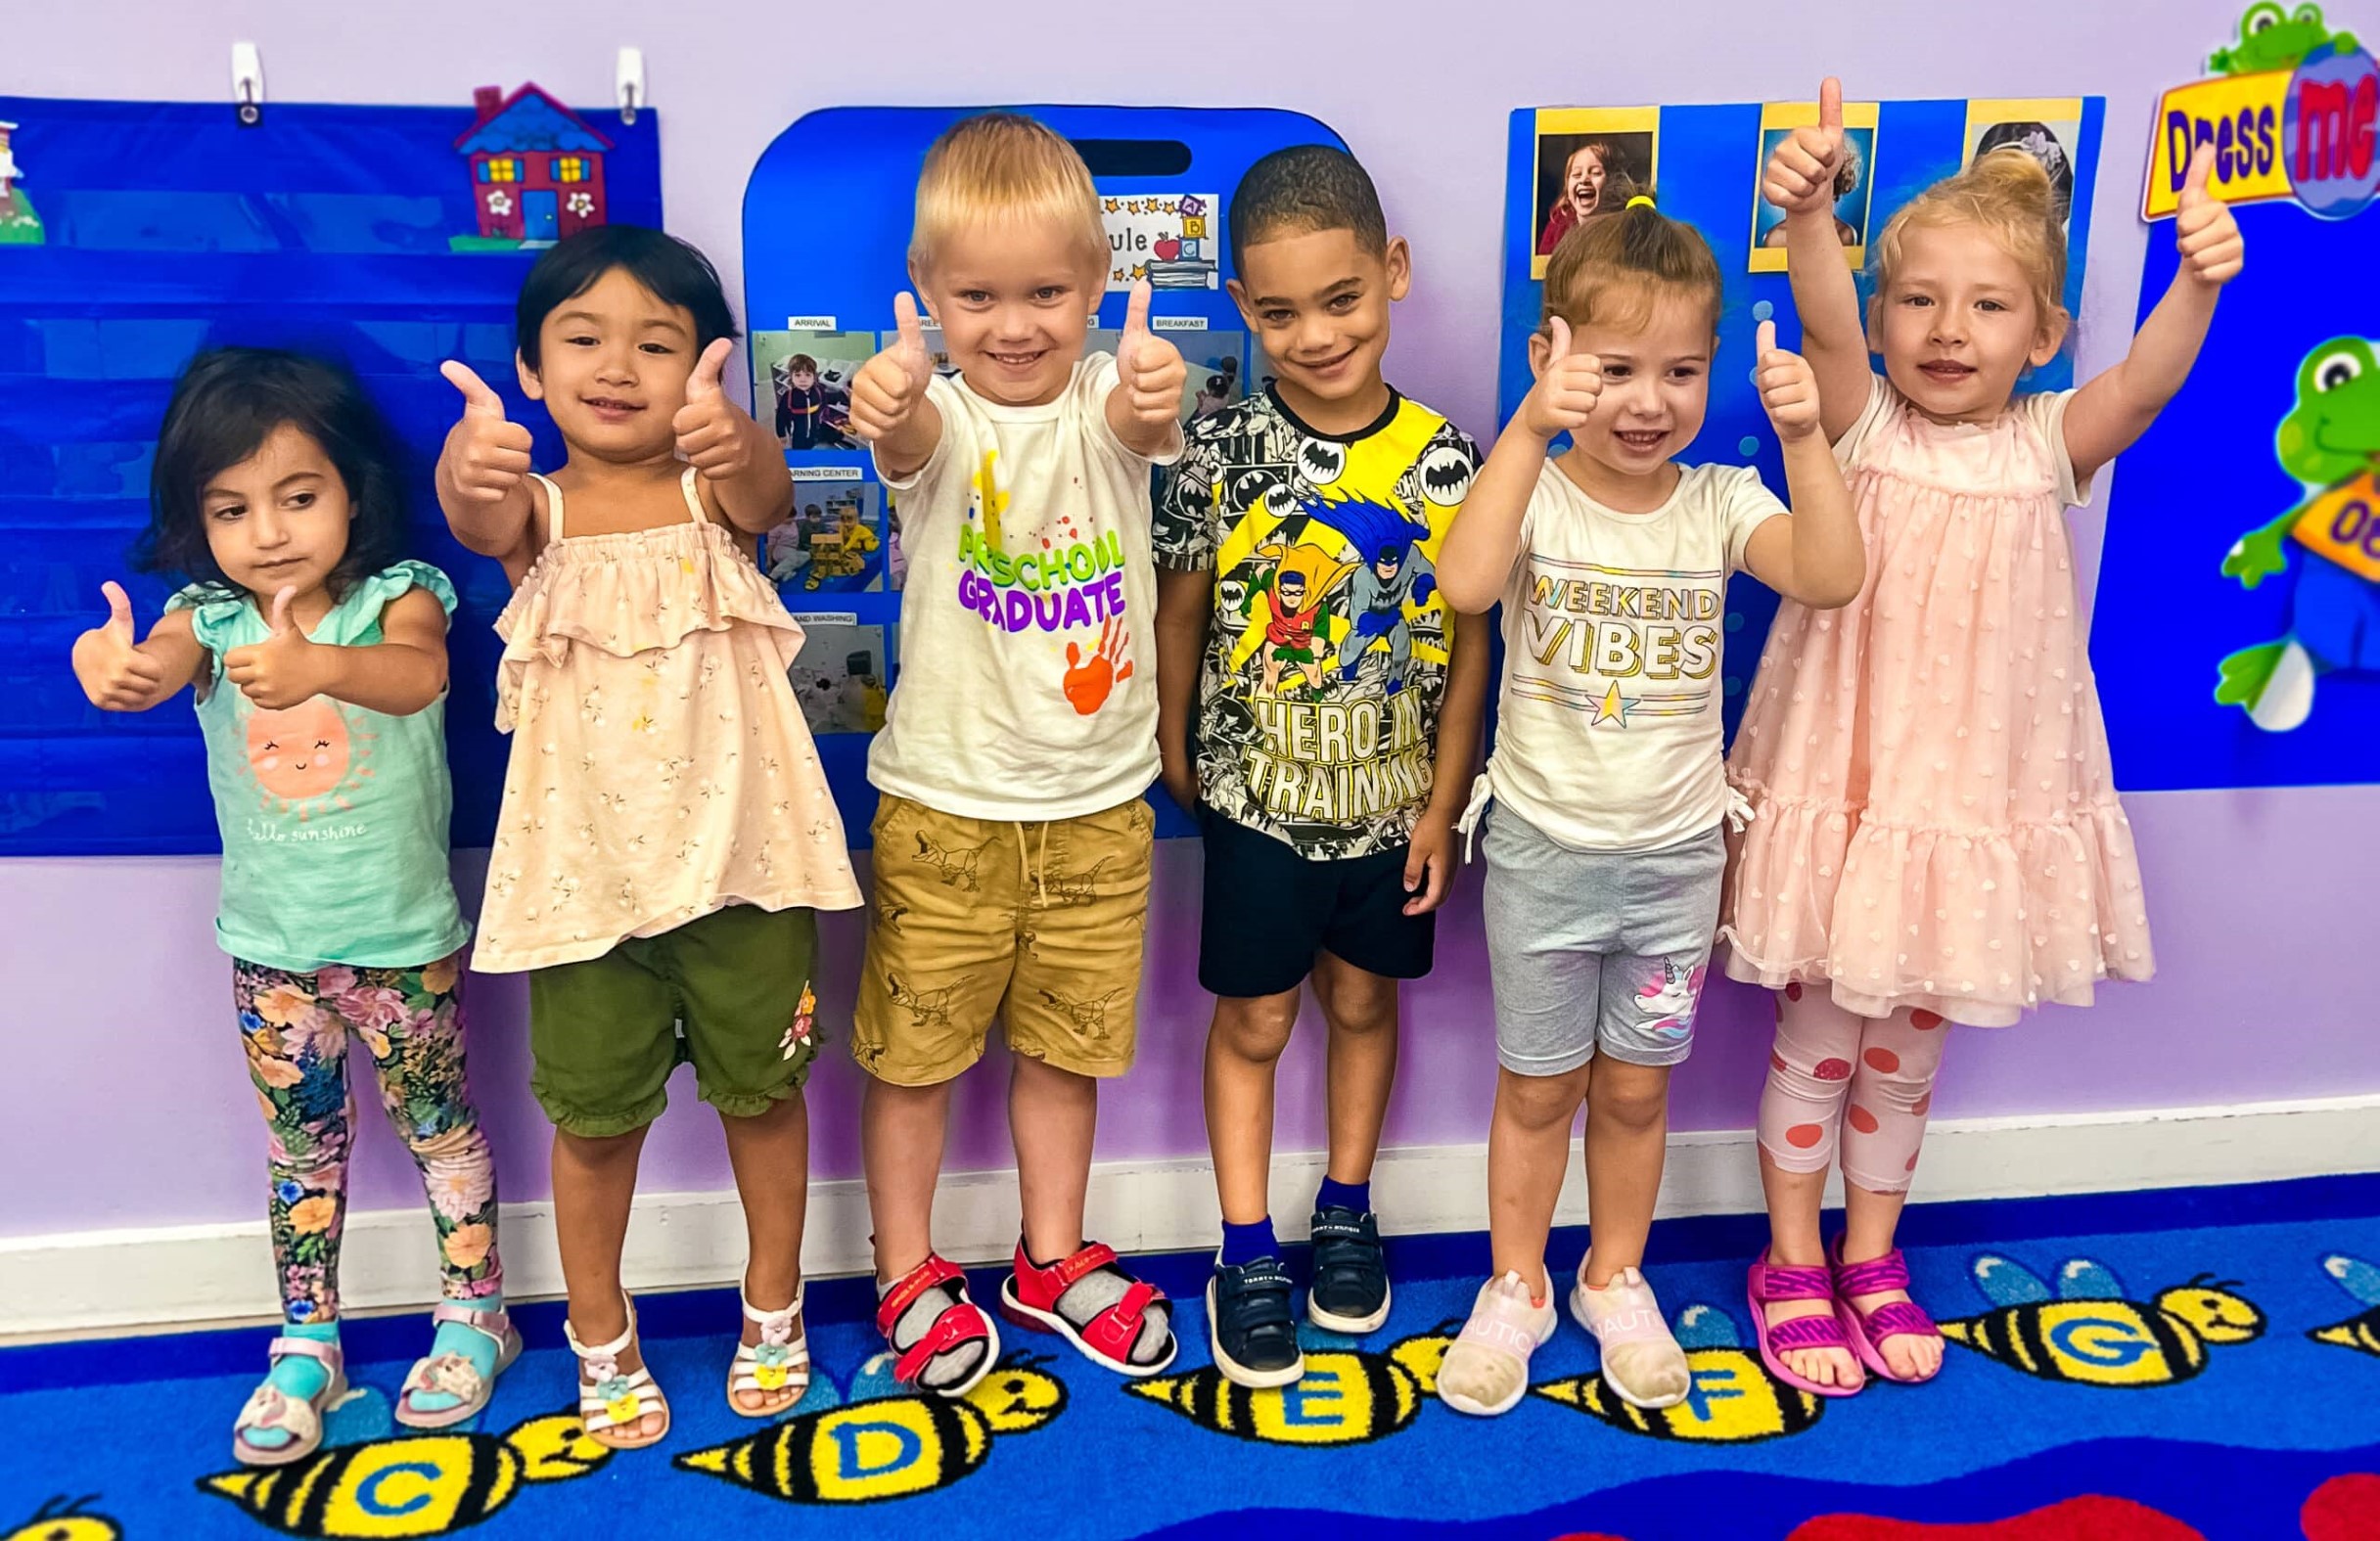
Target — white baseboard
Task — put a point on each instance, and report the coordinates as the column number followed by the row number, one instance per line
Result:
column 100, row 1281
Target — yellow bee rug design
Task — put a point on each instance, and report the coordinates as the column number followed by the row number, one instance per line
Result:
column 893, row 1447
column 1345, row 1398
column 2213, row 1358
column 422, row 1486
column 2091, row 1334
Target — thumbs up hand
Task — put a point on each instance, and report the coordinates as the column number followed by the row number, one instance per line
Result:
column 710, row 431
column 1801, row 174
column 114, row 672
column 2204, row 228
column 486, row 457
column 1148, row 368
column 283, row 669
column 889, row 386
column 1789, row 388
column 1568, row 385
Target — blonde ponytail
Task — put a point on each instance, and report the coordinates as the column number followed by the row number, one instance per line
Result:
column 2009, row 194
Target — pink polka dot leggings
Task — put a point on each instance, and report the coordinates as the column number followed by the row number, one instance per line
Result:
column 1867, row 1081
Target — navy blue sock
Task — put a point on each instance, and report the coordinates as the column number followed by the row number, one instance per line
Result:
column 1336, row 1194
column 1245, row 1243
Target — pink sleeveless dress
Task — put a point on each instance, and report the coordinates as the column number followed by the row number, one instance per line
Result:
column 660, row 767
column 1934, row 816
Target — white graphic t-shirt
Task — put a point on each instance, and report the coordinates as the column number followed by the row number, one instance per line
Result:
column 1608, row 735
column 1028, row 685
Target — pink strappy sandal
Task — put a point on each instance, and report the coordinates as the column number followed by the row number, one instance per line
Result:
column 1769, row 1283
column 1867, row 1330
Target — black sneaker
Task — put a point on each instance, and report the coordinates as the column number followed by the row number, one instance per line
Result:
column 1251, row 1325
column 1351, row 1293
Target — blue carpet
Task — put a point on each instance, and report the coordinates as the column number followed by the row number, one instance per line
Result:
column 2211, row 1357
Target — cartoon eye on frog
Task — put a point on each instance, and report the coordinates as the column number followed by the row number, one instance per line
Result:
column 2272, row 38
column 2330, row 440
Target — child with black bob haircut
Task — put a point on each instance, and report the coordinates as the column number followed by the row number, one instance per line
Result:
column 666, row 835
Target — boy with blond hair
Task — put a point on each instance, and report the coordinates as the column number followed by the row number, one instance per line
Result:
column 1012, row 842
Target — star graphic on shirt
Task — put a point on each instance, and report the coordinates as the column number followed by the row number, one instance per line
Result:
column 1614, row 707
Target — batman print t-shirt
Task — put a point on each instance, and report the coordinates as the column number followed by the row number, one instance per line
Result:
column 1326, row 655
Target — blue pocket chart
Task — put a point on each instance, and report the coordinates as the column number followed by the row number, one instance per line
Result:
column 133, row 234
column 1704, row 163
column 826, row 240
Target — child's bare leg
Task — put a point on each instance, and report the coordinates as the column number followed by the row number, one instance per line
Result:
column 1528, row 1159
column 1795, row 1201
column 1627, row 1133
column 1243, row 1048
column 901, row 1131
column 1053, row 1116
column 1360, row 1008
column 770, row 1153
column 594, row 1184
column 1627, row 1130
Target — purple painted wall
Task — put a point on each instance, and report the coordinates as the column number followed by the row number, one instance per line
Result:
column 128, row 1102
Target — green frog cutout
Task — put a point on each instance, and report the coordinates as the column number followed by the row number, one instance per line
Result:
column 2272, row 38
column 2330, row 441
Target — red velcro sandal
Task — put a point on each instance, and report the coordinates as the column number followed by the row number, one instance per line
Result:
column 960, row 1323
column 1030, row 1299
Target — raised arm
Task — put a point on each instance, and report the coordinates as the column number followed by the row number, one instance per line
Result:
column 1476, row 560
column 1814, row 554
column 740, row 465
column 119, row 674
column 1145, row 408
column 890, row 409
column 1801, row 180
column 482, row 473
column 2115, row 409
column 399, row 675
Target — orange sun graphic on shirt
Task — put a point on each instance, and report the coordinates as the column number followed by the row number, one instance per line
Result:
column 306, row 759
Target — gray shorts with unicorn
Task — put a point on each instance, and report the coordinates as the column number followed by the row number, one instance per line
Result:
column 1596, row 951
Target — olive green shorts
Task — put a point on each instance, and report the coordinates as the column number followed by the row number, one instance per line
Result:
column 604, row 1032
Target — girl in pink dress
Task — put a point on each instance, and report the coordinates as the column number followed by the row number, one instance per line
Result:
column 1937, row 837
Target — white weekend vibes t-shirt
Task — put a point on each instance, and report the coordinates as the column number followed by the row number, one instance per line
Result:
column 1027, row 686
column 1608, row 735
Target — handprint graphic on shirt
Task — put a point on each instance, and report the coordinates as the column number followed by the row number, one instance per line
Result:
column 1089, row 681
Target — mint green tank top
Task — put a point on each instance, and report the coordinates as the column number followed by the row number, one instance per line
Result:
column 334, row 817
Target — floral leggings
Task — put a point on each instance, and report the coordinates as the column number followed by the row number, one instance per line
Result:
column 296, row 1027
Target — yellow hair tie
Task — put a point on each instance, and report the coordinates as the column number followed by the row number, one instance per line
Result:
column 1640, row 202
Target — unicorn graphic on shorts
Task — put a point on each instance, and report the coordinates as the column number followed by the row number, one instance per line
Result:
column 1672, row 999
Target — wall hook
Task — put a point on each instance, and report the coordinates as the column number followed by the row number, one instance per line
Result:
column 248, row 84
column 631, row 84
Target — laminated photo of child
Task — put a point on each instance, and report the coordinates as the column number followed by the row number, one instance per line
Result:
column 1587, row 164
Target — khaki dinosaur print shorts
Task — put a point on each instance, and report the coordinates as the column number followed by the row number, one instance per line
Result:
column 1040, row 924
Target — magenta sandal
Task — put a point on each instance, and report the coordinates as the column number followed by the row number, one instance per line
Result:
column 1867, row 1330
column 1774, row 1283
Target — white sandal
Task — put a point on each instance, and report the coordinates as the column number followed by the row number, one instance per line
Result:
column 455, row 1374
column 270, row 1406
column 611, row 1401
column 779, row 1362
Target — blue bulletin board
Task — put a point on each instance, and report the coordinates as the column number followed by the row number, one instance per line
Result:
column 1704, row 163
column 133, row 234
column 826, row 240
column 2281, row 414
